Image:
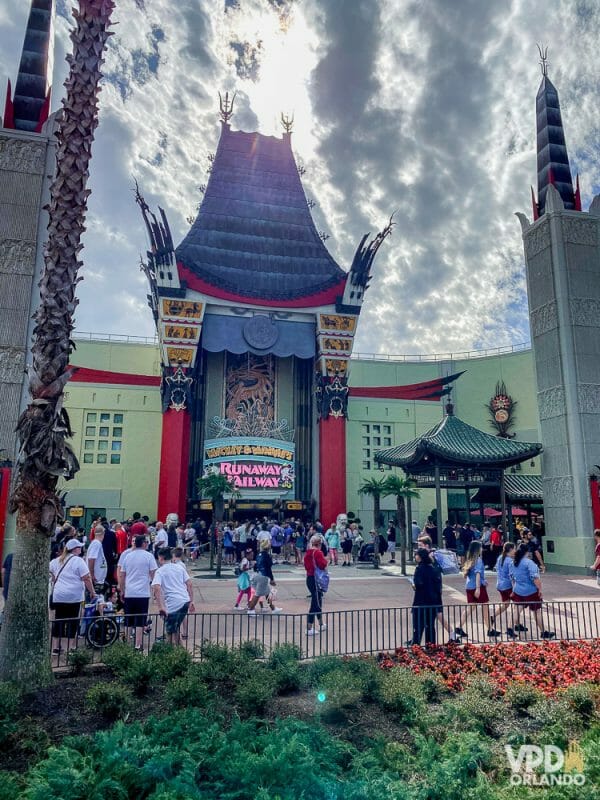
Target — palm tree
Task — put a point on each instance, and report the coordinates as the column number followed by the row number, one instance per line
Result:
column 401, row 488
column 375, row 488
column 43, row 429
column 214, row 486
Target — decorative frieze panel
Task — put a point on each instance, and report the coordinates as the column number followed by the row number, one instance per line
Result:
column 17, row 257
column 537, row 239
column 544, row 319
column 580, row 230
column 558, row 491
column 588, row 398
column 12, row 363
column 585, row 311
column 551, row 402
column 21, row 156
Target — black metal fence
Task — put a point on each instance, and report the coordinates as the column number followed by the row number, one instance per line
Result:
column 347, row 632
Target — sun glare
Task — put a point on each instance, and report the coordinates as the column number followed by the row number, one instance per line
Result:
column 288, row 54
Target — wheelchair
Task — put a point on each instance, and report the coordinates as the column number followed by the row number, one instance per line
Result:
column 100, row 625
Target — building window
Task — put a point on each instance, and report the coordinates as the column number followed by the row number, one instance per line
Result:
column 366, row 465
column 376, row 428
column 102, row 439
column 377, row 441
column 366, row 440
column 366, row 428
column 387, row 430
column 387, row 441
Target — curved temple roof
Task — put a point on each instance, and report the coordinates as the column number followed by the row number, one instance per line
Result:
column 452, row 441
column 254, row 235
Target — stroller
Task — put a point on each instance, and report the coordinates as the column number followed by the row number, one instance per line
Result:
column 100, row 625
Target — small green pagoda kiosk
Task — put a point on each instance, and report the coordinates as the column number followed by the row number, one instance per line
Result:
column 453, row 455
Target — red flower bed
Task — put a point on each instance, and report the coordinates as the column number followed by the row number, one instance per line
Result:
column 549, row 666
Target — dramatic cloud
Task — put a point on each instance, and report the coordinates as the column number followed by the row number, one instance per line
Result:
column 423, row 108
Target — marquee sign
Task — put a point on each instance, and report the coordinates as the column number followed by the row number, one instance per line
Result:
column 257, row 466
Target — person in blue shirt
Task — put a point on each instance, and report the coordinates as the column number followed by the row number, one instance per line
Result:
column 476, row 588
column 527, row 588
column 503, row 566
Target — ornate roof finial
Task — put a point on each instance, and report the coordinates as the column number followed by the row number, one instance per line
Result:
column 543, row 51
column 226, row 107
column 287, row 122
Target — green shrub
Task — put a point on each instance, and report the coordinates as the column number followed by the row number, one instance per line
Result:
column 478, row 708
column 321, row 666
column 189, row 690
column 284, row 654
column 10, row 706
column 287, row 678
column 367, row 676
column 139, row 675
column 78, row 660
column 402, row 692
column 169, row 661
column 253, row 693
column 582, row 699
column 119, row 657
column 521, row 696
column 224, row 666
column 110, row 700
column 252, row 648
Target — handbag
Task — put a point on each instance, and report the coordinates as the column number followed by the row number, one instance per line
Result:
column 51, row 603
column 321, row 577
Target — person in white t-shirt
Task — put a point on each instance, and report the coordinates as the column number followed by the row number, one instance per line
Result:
column 136, row 572
column 96, row 560
column 69, row 574
column 173, row 592
column 161, row 538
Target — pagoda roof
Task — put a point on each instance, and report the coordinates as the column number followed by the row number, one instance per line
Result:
column 254, row 236
column 519, row 488
column 453, row 442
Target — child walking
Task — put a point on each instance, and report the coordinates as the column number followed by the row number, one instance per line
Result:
column 243, row 582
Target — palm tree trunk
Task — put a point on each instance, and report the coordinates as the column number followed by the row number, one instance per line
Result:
column 376, row 515
column 401, row 514
column 43, row 428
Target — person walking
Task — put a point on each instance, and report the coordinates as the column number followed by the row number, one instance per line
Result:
column 427, row 602
column 69, row 575
column 391, row 542
column 527, row 588
column 332, row 537
column 263, row 578
column 503, row 566
column 161, row 538
column 137, row 571
column 496, row 543
column 476, row 589
column 346, row 545
column 314, row 558
column 243, row 582
column 96, row 560
column 174, row 593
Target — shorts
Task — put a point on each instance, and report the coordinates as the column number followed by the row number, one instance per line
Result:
column 346, row 547
column 483, row 596
column 391, row 547
column 69, row 612
column 260, row 584
column 229, row 550
column 505, row 594
column 174, row 620
column 136, row 611
column 532, row 601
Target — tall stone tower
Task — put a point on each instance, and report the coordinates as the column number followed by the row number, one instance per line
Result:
column 562, row 256
column 26, row 165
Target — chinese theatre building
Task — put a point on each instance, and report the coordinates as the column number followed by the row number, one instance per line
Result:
column 256, row 323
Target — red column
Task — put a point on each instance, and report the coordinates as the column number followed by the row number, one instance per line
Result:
column 174, row 463
column 595, row 492
column 4, row 493
column 332, row 469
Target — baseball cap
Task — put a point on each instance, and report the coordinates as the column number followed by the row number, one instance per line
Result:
column 73, row 543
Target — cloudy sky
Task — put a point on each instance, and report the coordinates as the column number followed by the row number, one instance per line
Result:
column 422, row 107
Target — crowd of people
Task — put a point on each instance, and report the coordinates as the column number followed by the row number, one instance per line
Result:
column 121, row 566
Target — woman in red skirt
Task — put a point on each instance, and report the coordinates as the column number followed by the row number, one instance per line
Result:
column 527, row 588
column 476, row 588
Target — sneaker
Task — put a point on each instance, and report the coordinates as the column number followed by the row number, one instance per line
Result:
column 459, row 632
column 548, row 635
column 323, row 627
column 276, row 610
column 493, row 632
column 511, row 634
column 312, row 632
column 236, row 608
column 521, row 628
column 251, row 612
